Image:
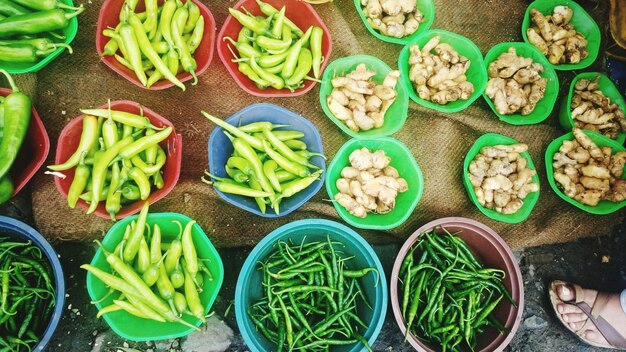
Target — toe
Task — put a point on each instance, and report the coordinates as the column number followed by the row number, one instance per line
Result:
column 565, row 308
column 576, row 326
column 594, row 336
column 565, row 293
column 574, row 317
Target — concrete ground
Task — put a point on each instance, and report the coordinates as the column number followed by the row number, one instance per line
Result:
column 598, row 262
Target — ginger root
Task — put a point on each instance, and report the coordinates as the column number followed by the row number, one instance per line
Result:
column 588, row 173
column 439, row 77
column 556, row 37
column 358, row 101
column 393, row 18
column 515, row 84
column 501, row 178
column 592, row 110
column 369, row 184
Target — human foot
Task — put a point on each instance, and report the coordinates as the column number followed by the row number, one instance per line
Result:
column 597, row 318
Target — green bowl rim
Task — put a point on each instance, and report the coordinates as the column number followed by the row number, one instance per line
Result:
column 567, row 102
column 592, row 55
column 524, row 212
column 343, row 213
column 548, row 72
column 123, row 222
column 478, row 91
column 605, row 141
column 423, row 27
column 70, row 34
column 400, row 89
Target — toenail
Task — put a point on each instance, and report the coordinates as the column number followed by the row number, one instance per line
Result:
column 565, row 290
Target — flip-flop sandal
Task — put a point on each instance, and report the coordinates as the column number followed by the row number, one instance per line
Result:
column 594, row 316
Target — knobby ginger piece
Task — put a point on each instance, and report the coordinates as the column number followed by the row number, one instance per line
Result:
column 592, row 110
column 393, row 18
column 556, row 37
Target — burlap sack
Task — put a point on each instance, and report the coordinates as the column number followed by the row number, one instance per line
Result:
column 438, row 141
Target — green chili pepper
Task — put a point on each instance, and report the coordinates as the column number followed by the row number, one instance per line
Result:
column 278, row 23
column 157, row 75
column 41, row 44
column 266, row 60
column 284, row 163
column 23, row 53
column 186, row 60
column 37, row 22
column 291, row 188
column 189, row 250
column 193, row 18
column 260, row 201
column 132, row 50
column 294, row 52
column 10, row 8
column 44, row 4
column 152, row 55
column 6, row 189
column 269, row 10
column 165, row 22
column 196, row 36
column 143, row 256
column 258, row 27
column 244, row 49
column 166, row 290
column 301, row 71
column 317, row 35
column 142, row 182
column 114, row 197
column 191, row 295
column 247, row 70
column 238, row 189
column 150, row 25
column 122, row 117
column 180, row 303
column 144, row 143
column 17, row 113
column 252, row 141
column 177, row 277
column 81, row 176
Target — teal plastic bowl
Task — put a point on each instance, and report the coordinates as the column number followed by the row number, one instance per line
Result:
column 605, row 85
column 131, row 327
column 427, row 7
column 69, row 32
column 491, row 139
column 582, row 23
column 249, row 284
column 476, row 73
column 546, row 104
column 395, row 115
column 604, row 207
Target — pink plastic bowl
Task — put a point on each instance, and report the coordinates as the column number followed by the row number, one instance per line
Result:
column 173, row 146
column 301, row 13
column 490, row 250
column 109, row 17
column 33, row 152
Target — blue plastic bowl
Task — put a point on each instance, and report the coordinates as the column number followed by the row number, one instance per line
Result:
column 249, row 286
column 220, row 149
column 20, row 231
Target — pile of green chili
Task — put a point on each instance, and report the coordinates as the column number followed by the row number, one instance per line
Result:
column 154, row 279
column 117, row 160
column 447, row 296
column 29, row 28
column 275, row 52
column 158, row 43
column 268, row 164
column 310, row 297
column 27, row 294
column 15, row 111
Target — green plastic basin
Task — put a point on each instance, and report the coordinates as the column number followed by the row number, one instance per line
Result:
column 427, row 7
column 137, row 329
column 582, row 23
column 546, row 104
column 606, row 86
column 475, row 74
column 22, row 67
column 402, row 160
column 605, row 206
column 394, row 117
column 491, row 139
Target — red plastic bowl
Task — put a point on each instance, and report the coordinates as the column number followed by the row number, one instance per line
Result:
column 301, row 13
column 68, row 142
column 490, row 250
column 33, row 152
column 109, row 17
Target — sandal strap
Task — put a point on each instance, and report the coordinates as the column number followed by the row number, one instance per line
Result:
column 612, row 336
column 579, row 294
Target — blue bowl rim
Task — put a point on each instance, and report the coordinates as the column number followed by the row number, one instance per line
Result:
column 27, row 231
column 316, row 186
column 285, row 230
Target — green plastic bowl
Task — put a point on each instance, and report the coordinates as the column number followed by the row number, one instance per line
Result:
column 606, row 86
column 582, row 22
column 604, row 207
column 394, row 117
column 402, row 159
column 427, row 7
column 546, row 104
column 491, row 139
column 69, row 32
column 475, row 74
column 137, row 329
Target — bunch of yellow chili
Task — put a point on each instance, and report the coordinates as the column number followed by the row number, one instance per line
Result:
column 267, row 164
column 156, row 280
column 158, row 43
column 118, row 160
column 274, row 51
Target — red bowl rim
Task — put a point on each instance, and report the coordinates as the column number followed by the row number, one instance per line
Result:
column 505, row 252
column 270, row 92
column 132, row 208
column 209, row 21
column 34, row 165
